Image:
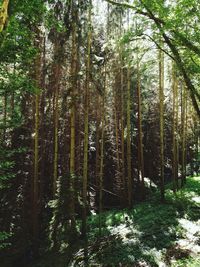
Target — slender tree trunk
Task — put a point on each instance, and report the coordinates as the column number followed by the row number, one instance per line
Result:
column 35, row 212
column 129, row 138
column 174, row 163
column 3, row 14
column 73, row 114
column 101, row 172
column 86, row 128
column 4, row 117
column 122, row 136
column 56, row 77
column 197, row 133
column 42, row 121
column 117, row 133
column 195, row 141
column 161, row 100
column 123, row 180
column 97, row 164
column 79, row 119
column 12, row 101
column 186, row 133
column 56, row 117
column 183, row 104
column 140, row 133
column 177, row 137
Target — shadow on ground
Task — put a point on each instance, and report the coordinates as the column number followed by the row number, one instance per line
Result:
column 145, row 235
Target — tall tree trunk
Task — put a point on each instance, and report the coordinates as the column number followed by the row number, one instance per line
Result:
column 140, row 133
column 12, row 100
column 161, row 101
column 56, row 80
column 129, row 138
column 4, row 117
column 177, row 136
column 86, row 127
column 56, row 116
column 122, row 136
column 97, row 164
column 174, row 128
column 117, row 132
column 123, row 180
column 3, row 14
column 186, row 132
column 183, row 106
column 42, row 121
column 73, row 113
column 35, row 212
column 101, row 171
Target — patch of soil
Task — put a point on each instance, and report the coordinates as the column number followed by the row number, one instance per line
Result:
column 176, row 253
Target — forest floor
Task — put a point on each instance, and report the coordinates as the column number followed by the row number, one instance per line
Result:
column 151, row 234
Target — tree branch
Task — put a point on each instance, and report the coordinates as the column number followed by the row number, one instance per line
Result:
column 159, row 46
column 126, row 5
column 160, row 23
column 184, row 41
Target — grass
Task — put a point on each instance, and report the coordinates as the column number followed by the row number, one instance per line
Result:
column 149, row 234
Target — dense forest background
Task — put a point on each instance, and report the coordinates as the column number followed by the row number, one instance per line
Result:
column 99, row 108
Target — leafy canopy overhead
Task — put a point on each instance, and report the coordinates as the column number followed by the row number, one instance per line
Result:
column 178, row 25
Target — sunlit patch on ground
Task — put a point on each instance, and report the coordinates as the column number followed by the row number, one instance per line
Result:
column 127, row 231
column 192, row 235
column 149, row 235
column 196, row 199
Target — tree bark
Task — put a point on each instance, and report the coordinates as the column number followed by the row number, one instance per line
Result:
column 161, row 108
column 3, row 14
column 129, row 138
column 140, row 134
column 86, row 127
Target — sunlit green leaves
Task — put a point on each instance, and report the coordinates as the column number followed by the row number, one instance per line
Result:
column 4, row 240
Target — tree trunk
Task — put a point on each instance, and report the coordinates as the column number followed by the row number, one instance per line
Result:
column 123, row 180
column 73, row 113
column 161, row 101
column 3, row 14
column 129, row 138
column 177, row 137
column 97, row 164
column 86, row 127
column 4, row 117
column 174, row 133
column 140, row 134
column 101, row 171
column 35, row 212
column 56, row 117
column 117, row 132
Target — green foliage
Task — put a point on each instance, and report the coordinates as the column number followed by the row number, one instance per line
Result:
column 4, row 240
column 6, row 169
column 147, row 232
column 7, row 164
column 61, row 220
column 190, row 262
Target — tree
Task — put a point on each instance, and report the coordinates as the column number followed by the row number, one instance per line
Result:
column 3, row 14
column 86, row 124
column 36, row 149
column 161, row 110
column 93, row 119
column 174, row 146
column 163, row 26
column 140, row 133
column 183, row 133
